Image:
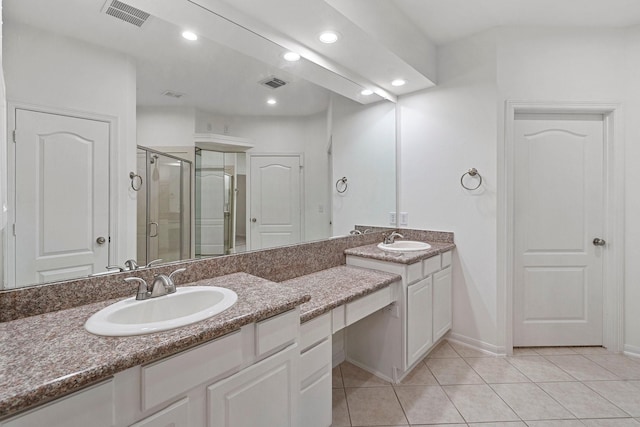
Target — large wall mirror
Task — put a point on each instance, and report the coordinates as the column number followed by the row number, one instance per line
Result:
column 135, row 143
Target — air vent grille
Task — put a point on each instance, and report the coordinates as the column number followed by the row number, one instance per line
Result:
column 126, row 13
column 273, row 82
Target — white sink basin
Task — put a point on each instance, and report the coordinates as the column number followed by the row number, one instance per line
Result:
column 404, row 246
column 187, row 305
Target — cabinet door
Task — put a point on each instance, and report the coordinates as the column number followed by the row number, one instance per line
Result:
column 441, row 303
column 176, row 415
column 419, row 322
column 265, row 394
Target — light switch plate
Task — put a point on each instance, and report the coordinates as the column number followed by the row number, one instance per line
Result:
column 392, row 218
column 404, row 219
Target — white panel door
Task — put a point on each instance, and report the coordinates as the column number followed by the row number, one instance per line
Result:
column 62, row 197
column 419, row 319
column 275, row 201
column 558, row 281
column 210, row 211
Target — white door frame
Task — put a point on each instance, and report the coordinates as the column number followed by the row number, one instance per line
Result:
column 248, row 191
column 613, row 262
column 9, row 244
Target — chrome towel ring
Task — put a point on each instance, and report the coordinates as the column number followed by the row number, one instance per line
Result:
column 136, row 181
column 473, row 172
column 341, row 185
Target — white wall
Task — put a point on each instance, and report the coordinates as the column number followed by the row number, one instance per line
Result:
column 363, row 151
column 444, row 131
column 165, row 126
column 52, row 71
column 460, row 124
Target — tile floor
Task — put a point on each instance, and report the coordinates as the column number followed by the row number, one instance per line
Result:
column 459, row 386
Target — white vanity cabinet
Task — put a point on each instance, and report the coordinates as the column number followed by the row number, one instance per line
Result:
column 407, row 331
column 245, row 378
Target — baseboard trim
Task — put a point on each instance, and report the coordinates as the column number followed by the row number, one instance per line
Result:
column 368, row 369
column 476, row 344
column 630, row 350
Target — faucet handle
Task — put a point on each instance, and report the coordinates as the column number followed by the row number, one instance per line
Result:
column 180, row 270
column 143, row 289
column 115, row 267
column 151, row 263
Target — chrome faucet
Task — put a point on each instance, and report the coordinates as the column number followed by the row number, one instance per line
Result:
column 161, row 285
column 388, row 240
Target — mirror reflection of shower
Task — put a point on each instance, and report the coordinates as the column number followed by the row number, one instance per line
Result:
column 163, row 207
column 220, row 203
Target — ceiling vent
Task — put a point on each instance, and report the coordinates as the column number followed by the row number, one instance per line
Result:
column 273, row 82
column 126, row 13
column 173, row 94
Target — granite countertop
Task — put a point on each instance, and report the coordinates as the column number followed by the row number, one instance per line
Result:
column 336, row 286
column 46, row 356
column 372, row 251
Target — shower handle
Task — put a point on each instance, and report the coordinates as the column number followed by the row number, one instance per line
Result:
column 156, row 230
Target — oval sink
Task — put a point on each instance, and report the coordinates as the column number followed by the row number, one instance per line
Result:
column 187, row 305
column 404, row 246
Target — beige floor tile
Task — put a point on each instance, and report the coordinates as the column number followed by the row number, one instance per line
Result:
column 336, row 378
column 466, row 351
column 530, row 402
column 624, row 394
column 555, row 423
column 453, row 371
column 591, row 350
column 524, row 351
column 503, row 424
column 442, row 351
column 581, row 368
column 625, row 367
column 479, row 403
column 427, row 405
column 582, row 401
column 374, row 406
column 539, row 369
column 419, row 375
column 496, row 370
column 340, row 414
column 353, row 376
column 554, row 351
column 611, row 422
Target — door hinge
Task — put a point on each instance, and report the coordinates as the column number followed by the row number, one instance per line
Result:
column 14, row 229
column 15, row 136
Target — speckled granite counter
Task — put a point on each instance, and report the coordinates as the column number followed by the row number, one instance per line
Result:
column 336, row 286
column 46, row 356
column 373, row 252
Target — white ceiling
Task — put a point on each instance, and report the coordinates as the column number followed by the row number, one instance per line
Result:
column 444, row 21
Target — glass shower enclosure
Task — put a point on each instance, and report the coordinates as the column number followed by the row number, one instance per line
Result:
column 164, row 207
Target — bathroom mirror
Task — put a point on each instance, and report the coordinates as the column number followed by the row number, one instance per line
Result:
column 146, row 86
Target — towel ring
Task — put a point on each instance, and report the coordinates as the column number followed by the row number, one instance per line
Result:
column 341, row 185
column 473, row 172
column 135, row 178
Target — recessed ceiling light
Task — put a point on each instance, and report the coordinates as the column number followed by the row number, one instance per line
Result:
column 189, row 35
column 398, row 82
column 366, row 92
column 291, row 56
column 271, row 101
column 328, row 37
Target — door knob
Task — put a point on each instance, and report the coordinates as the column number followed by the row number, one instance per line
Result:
column 254, row 219
column 599, row 242
column 101, row 240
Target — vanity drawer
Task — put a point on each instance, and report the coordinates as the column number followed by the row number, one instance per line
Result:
column 92, row 406
column 315, row 330
column 314, row 359
column 168, row 378
column 276, row 332
column 446, row 259
column 431, row 265
column 368, row 304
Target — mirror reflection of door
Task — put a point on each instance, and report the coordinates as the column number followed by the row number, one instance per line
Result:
column 61, row 197
column 275, row 200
